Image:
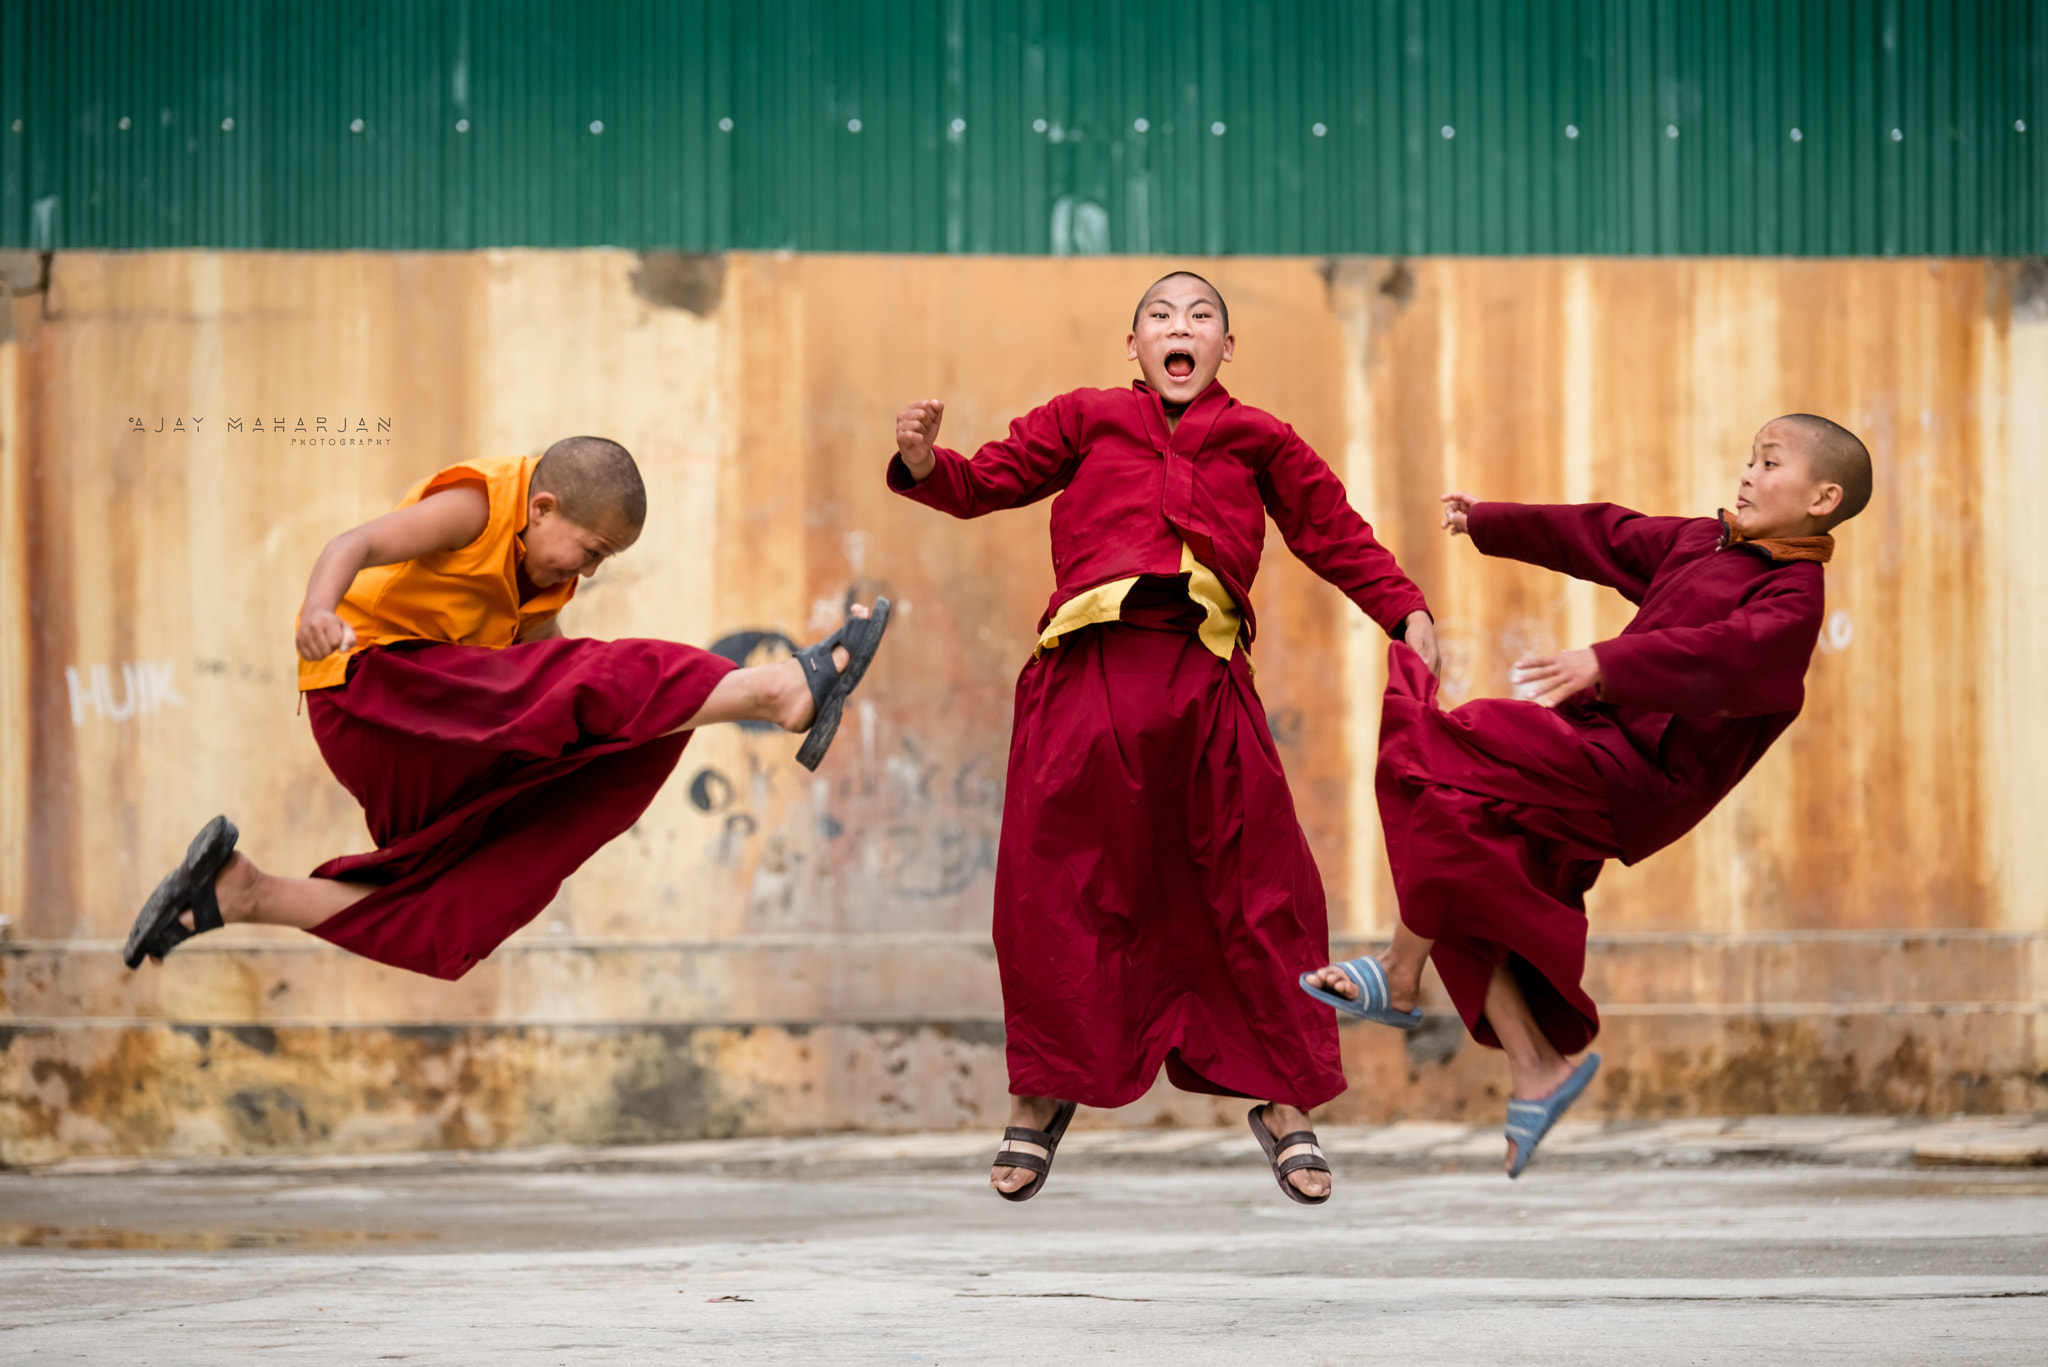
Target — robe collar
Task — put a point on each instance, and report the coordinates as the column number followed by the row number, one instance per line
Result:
column 1819, row 549
column 1205, row 408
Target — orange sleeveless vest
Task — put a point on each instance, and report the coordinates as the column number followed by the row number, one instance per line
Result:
column 468, row 596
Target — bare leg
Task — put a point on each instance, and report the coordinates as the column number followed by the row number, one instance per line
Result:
column 776, row 693
column 1535, row 1068
column 1403, row 962
column 1031, row 1113
column 1281, row 1119
column 249, row 896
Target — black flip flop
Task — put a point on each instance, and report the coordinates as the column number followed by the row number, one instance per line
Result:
column 1041, row 1168
column 189, row 887
column 1313, row 1160
column 830, row 685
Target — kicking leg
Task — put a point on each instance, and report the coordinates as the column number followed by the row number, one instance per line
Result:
column 1403, row 963
column 249, row 896
column 1535, row 1068
column 776, row 693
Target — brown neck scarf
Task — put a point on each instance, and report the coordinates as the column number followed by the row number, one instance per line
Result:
column 1819, row 549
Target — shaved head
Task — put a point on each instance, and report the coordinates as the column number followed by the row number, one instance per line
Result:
column 595, row 482
column 1835, row 456
column 1182, row 275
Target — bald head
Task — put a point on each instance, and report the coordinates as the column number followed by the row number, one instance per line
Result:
column 1214, row 293
column 1834, row 455
column 595, row 482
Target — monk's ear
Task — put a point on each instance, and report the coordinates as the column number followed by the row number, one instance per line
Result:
column 1131, row 347
column 1825, row 500
column 1229, row 345
column 541, row 506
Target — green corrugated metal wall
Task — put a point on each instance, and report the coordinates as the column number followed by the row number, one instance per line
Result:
column 1204, row 126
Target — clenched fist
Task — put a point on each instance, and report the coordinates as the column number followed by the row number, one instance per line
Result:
column 917, row 431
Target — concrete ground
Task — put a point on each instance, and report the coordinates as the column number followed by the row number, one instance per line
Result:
column 1696, row 1242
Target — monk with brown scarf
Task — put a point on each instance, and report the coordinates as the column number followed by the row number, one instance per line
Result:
column 1499, row 814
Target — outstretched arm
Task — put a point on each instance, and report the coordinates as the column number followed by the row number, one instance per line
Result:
column 443, row 521
column 1600, row 542
column 1036, row 460
column 1308, row 503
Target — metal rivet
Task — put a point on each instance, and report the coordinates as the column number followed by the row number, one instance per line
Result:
column 123, row 125
column 959, row 125
column 1038, row 125
column 17, row 125
column 1798, row 136
column 1142, row 125
column 2018, row 125
column 227, row 125
column 597, row 125
column 1318, row 129
column 1670, row 130
column 853, row 125
column 1449, row 132
column 725, row 125
column 1897, row 136
column 1571, row 130
column 1217, row 129
column 355, row 125
column 462, row 125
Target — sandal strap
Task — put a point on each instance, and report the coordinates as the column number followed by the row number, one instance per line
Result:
column 1313, row 1162
column 1038, row 1137
column 820, row 673
column 1288, row 1141
column 1030, row 1162
column 205, row 908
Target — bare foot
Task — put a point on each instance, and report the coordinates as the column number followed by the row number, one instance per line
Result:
column 1283, row 1120
column 1536, row 1088
column 795, row 708
column 1031, row 1113
column 1402, row 990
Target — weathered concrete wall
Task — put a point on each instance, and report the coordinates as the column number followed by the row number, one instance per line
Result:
column 1864, row 926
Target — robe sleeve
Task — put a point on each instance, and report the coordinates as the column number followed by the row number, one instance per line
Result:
column 1600, row 542
column 1749, row 664
column 1036, row 460
column 1307, row 502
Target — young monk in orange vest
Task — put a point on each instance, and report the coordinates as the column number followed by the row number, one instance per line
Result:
column 492, row 754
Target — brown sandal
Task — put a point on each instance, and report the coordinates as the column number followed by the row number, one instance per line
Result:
column 1047, row 1139
column 1312, row 1161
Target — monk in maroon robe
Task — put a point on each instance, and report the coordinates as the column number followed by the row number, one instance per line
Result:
column 1499, row 814
column 492, row 755
column 1155, row 899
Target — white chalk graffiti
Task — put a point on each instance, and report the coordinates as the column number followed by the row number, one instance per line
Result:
column 1837, row 632
column 146, row 686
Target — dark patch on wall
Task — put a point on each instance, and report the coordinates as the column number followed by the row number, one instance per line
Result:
column 667, row 1094
column 681, row 280
column 201, row 1035
column 267, row 1116
column 2030, row 290
column 261, row 1038
column 1435, row 1042
column 1397, row 286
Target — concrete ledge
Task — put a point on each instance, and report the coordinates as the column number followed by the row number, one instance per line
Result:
column 1411, row 1145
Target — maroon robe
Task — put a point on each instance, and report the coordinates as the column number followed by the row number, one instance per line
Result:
column 1498, row 814
column 1155, row 899
column 489, row 776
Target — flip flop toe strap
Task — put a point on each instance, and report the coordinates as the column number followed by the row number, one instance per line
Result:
column 1528, row 1122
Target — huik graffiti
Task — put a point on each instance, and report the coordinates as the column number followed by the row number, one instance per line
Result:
column 146, row 686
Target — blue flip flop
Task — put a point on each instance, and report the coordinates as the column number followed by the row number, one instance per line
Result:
column 1375, row 999
column 1529, row 1121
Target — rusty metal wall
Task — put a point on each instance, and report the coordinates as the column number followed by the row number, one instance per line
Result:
column 1863, row 926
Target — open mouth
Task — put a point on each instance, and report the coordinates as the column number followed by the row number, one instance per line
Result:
column 1179, row 364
